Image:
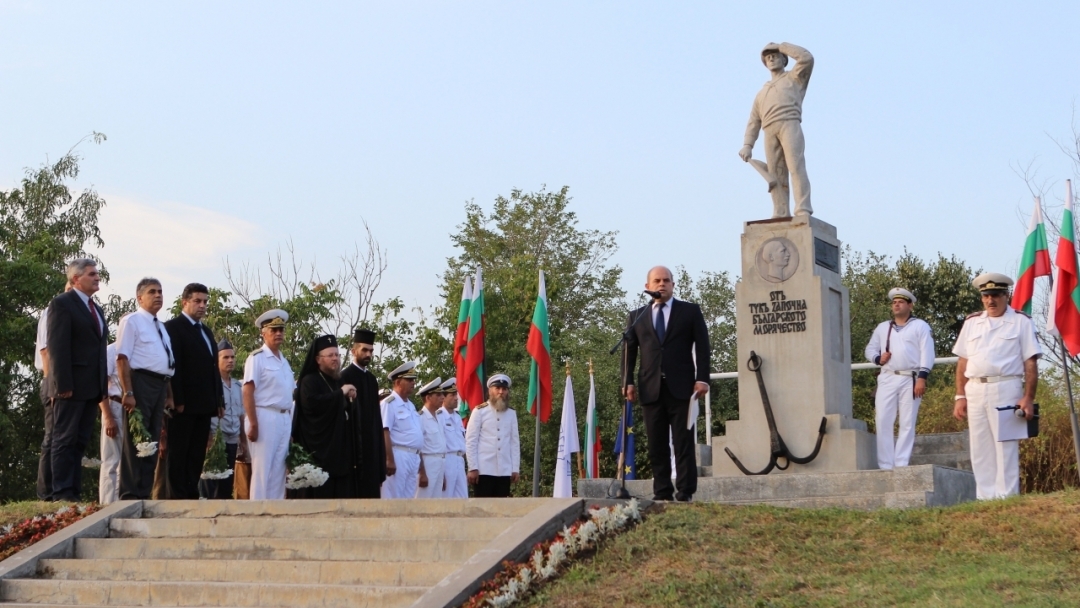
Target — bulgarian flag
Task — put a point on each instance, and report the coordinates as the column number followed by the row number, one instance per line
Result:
column 1064, row 318
column 1034, row 263
column 539, row 347
column 592, row 432
column 461, row 339
column 471, row 387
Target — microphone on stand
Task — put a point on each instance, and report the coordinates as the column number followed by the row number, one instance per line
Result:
column 656, row 295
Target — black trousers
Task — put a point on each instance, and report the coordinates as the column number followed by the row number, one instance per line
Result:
column 44, row 470
column 188, row 436
column 491, row 486
column 137, row 474
column 664, row 415
column 73, row 421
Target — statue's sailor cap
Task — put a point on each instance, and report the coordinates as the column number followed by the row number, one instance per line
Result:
column 770, row 48
column 992, row 282
column 272, row 318
column 499, row 380
column 900, row 292
column 430, row 387
column 384, row 393
column 449, row 387
column 406, row 370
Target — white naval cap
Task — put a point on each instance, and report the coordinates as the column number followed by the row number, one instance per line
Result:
column 406, row 370
column 900, row 292
column 430, row 387
column 449, row 387
column 499, row 379
column 384, row 393
column 272, row 318
column 989, row 282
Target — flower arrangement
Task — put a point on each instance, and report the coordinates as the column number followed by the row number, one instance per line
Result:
column 140, row 436
column 514, row 582
column 302, row 472
column 16, row 537
column 91, row 463
column 216, row 465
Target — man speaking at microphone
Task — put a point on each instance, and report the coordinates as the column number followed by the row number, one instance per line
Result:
column 674, row 344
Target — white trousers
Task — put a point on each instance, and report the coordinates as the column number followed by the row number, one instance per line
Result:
column 268, row 453
column 111, row 450
column 403, row 483
column 996, row 464
column 457, row 485
column 895, row 394
column 433, row 467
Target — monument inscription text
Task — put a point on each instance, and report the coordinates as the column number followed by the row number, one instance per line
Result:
column 779, row 315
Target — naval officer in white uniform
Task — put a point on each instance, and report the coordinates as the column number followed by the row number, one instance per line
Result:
column 454, row 429
column 904, row 348
column 492, row 444
column 267, row 390
column 403, row 435
column 433, row 454
column 998, row 366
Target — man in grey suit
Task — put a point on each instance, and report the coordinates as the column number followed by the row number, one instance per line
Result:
column 76, row 381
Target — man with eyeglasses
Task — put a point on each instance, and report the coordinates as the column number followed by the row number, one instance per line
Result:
column 268, row 407
column 998, row 366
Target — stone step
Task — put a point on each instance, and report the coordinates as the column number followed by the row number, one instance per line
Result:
column 408, row 574
column 167, row 593
column 367, row 550
column 941, row 485
column 941, row 443
column 960, row 461
column 893, row 500
column 470, row 507
column 386, row 528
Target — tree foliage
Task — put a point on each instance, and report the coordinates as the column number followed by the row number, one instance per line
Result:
column 43, row 224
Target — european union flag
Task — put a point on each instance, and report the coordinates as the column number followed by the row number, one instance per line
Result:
column 630, row 469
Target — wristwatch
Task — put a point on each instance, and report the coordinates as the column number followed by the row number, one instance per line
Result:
column 129, row 393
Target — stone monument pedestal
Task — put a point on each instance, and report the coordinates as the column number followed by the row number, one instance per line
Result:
column 793, row 312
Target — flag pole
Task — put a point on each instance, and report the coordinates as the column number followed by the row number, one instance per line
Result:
column 536, row 456
column 1072, row 406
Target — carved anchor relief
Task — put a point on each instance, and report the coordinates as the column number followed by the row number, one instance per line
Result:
column 778, row 449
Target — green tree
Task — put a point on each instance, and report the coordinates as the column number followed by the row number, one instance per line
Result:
column 43, row 225
column 520, row 235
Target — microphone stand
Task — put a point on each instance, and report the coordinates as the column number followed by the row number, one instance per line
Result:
column 620, row 475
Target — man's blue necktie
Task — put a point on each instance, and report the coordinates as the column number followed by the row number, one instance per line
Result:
column 659, row 325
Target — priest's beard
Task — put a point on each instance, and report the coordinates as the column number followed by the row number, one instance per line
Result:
column 333, row 373
column 500, row 405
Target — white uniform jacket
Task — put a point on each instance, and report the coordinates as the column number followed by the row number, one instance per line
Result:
column 492, row 445
column 911, row 346
column 997, row 347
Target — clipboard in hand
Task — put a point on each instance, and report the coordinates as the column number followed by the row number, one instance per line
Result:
column 1013, row 428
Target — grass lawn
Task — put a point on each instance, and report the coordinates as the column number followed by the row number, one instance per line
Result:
column 14, row 512
column 1024, row 551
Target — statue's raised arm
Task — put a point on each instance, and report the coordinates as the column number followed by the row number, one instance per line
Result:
column 777, row 111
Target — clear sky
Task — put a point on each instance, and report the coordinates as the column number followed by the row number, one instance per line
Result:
column 233, row 127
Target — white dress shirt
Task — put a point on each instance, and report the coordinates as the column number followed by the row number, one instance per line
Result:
column 273, row 379
column 42, row 341
column 403, row 422
column 492, row 445
column 432, row 426
column 454, row 430
column 143, row 340
column 911, row 346
column 997, row 346
column 110, row 363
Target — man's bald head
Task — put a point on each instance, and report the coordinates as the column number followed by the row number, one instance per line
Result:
column 661, row 280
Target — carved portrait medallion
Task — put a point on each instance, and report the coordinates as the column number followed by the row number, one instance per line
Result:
column 777, row 260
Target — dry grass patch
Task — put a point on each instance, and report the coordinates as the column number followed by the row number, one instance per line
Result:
column 1019, row 551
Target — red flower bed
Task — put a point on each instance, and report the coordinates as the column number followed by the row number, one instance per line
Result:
column 16, row 537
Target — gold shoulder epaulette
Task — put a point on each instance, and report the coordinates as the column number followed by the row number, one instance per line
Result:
column 482, row 405
column 974, row 314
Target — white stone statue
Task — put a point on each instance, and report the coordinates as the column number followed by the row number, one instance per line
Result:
column 777, row 111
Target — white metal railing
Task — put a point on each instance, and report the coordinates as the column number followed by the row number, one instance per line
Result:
column 734, row 375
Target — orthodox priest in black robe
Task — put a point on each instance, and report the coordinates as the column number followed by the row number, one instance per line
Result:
column 324, row 420
column 368, row 423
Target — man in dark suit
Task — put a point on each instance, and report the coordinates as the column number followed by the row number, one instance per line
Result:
column 197, row 393
column 76, row 381
column 368, row 417
column 674, row 344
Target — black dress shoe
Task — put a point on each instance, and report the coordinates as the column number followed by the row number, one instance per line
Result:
column 662, row 499
column 683, row 498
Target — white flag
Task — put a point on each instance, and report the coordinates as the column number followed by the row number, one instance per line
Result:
column 568, row 445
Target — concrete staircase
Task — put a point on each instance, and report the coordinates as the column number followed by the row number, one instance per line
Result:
column 945, row 449
column 294, row 553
